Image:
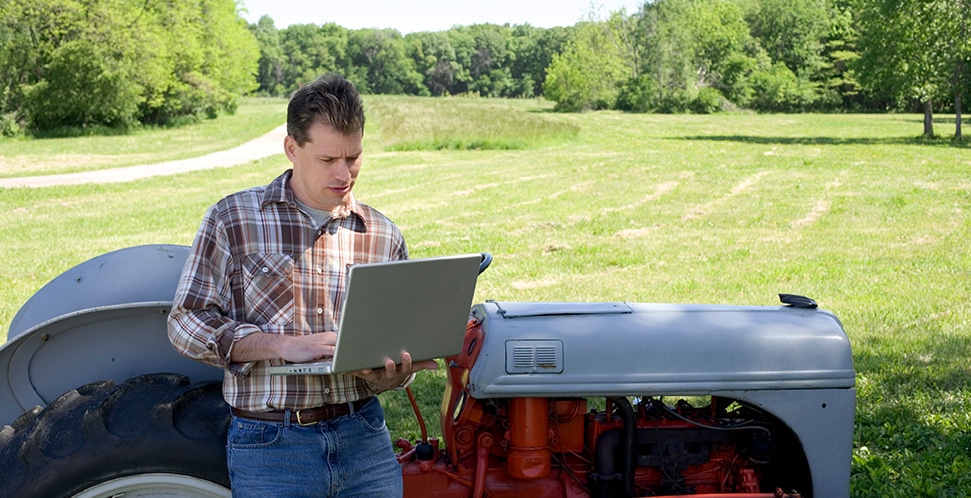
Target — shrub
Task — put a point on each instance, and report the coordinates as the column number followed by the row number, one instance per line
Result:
column 638, row 94
column 82, row 87
column 9, row 127
column 708, row 101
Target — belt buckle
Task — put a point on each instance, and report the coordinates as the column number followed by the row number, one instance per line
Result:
column 300, row 422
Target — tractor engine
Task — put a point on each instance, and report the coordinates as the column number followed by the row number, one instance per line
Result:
column 621, row 399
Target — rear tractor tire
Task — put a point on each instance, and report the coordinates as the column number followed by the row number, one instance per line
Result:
column 153, row 435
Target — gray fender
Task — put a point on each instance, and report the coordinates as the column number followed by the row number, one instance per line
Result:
column 104, row 319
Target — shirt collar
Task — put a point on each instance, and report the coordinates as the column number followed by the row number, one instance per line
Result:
column 279, row 191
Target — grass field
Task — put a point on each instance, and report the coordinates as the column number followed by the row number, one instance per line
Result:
column 852, row 210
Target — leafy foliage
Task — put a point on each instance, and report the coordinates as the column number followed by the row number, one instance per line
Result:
column 588, row 73
column 70, row 63
column 915, row 52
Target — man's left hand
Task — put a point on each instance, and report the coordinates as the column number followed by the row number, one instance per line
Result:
column 394, row 375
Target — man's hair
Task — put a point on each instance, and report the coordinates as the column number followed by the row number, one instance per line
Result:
column 329, row 100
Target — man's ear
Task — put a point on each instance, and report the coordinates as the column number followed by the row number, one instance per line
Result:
column 290, row 146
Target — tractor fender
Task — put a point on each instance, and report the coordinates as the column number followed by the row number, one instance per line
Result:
column 104, row 319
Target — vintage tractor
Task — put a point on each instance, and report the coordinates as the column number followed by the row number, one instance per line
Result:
column 545, row 399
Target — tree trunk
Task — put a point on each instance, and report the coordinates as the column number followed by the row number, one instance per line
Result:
column 957, row 101
column 957, row 116
column 928, row 119
column 959, row 72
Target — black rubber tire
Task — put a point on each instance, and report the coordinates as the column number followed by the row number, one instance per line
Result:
column 158, row 424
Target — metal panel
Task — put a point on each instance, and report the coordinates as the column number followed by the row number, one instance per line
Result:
column 137, row 274
column 110, row 343
column 104, row 319
column 667, row 349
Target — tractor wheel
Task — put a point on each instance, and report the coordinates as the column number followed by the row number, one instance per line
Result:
column 154, row 435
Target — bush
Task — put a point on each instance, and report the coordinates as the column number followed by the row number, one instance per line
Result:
column 708, row 101
column 736, row 84
column 638, row 94
column 778, row 89
column 82, row 87
column 674, row 101
column 9, row 127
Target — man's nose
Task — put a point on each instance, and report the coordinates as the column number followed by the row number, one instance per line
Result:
column 343, row 171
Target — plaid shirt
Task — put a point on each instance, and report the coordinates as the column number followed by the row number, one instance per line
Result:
column 258, row 264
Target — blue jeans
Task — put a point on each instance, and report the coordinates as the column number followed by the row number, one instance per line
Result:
column 343, row 457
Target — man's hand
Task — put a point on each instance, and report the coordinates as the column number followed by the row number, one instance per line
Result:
column 392, row 375
column 294, row 349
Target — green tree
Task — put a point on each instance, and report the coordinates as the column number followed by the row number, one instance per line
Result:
column 489, row 61
column 840, row 84
column 310, row 51
column 533, row 49
column 434, row 59
column 378, row 63
column 664, row 29
column 792, row 32
column 589, row 72
column 914, row 50
column 114, row 62
column 83, row 87
column 692, row 49
column 463, row 44
column 270, row 68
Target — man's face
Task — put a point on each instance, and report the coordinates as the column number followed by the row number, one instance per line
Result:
column 326, row 167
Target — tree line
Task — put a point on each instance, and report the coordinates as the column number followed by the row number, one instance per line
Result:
column 117, row 62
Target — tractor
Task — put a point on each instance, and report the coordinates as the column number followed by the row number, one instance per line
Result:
column 546, row 399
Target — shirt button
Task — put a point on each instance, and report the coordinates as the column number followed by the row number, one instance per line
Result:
column 326, row 390
column 266, row 270
column 320, row 311
column 320, row 269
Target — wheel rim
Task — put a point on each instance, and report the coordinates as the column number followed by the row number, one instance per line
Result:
column 156, row 485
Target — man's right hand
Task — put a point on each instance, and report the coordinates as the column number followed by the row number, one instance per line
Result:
column 294, row 349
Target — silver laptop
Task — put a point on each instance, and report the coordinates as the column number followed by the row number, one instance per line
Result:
column 416, row 305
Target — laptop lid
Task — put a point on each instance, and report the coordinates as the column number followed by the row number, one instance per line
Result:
column 417, row 305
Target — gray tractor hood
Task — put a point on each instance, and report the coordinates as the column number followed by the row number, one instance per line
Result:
column 616, row 349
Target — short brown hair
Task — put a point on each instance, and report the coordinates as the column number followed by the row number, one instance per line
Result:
column 330, row 100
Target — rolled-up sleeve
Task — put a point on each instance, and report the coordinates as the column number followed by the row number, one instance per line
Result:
column 200, row 324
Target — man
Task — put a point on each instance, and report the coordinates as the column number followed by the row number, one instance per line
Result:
column 263, row 285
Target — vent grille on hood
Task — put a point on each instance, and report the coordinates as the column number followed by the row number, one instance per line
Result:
column 529, row 356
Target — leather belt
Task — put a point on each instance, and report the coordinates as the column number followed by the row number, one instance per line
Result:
column 307, row 416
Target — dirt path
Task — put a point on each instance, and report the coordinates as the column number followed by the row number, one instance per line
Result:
column 265, row 146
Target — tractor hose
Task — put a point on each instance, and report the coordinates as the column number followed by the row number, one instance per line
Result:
column 606, row 465
column 421, row 421
column 630, row 426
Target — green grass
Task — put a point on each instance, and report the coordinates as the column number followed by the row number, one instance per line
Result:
column 460, row 123
column 855, row 211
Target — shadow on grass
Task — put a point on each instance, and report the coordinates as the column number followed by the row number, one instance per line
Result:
column 766, row 140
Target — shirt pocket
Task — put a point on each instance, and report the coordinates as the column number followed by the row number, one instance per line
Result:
column 268, row 288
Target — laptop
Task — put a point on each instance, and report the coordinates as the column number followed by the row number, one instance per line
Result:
column 416, row 305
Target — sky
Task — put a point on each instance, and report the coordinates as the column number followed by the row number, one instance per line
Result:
column 408, row 16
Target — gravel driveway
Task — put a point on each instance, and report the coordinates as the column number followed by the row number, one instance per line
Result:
column 265, row 146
